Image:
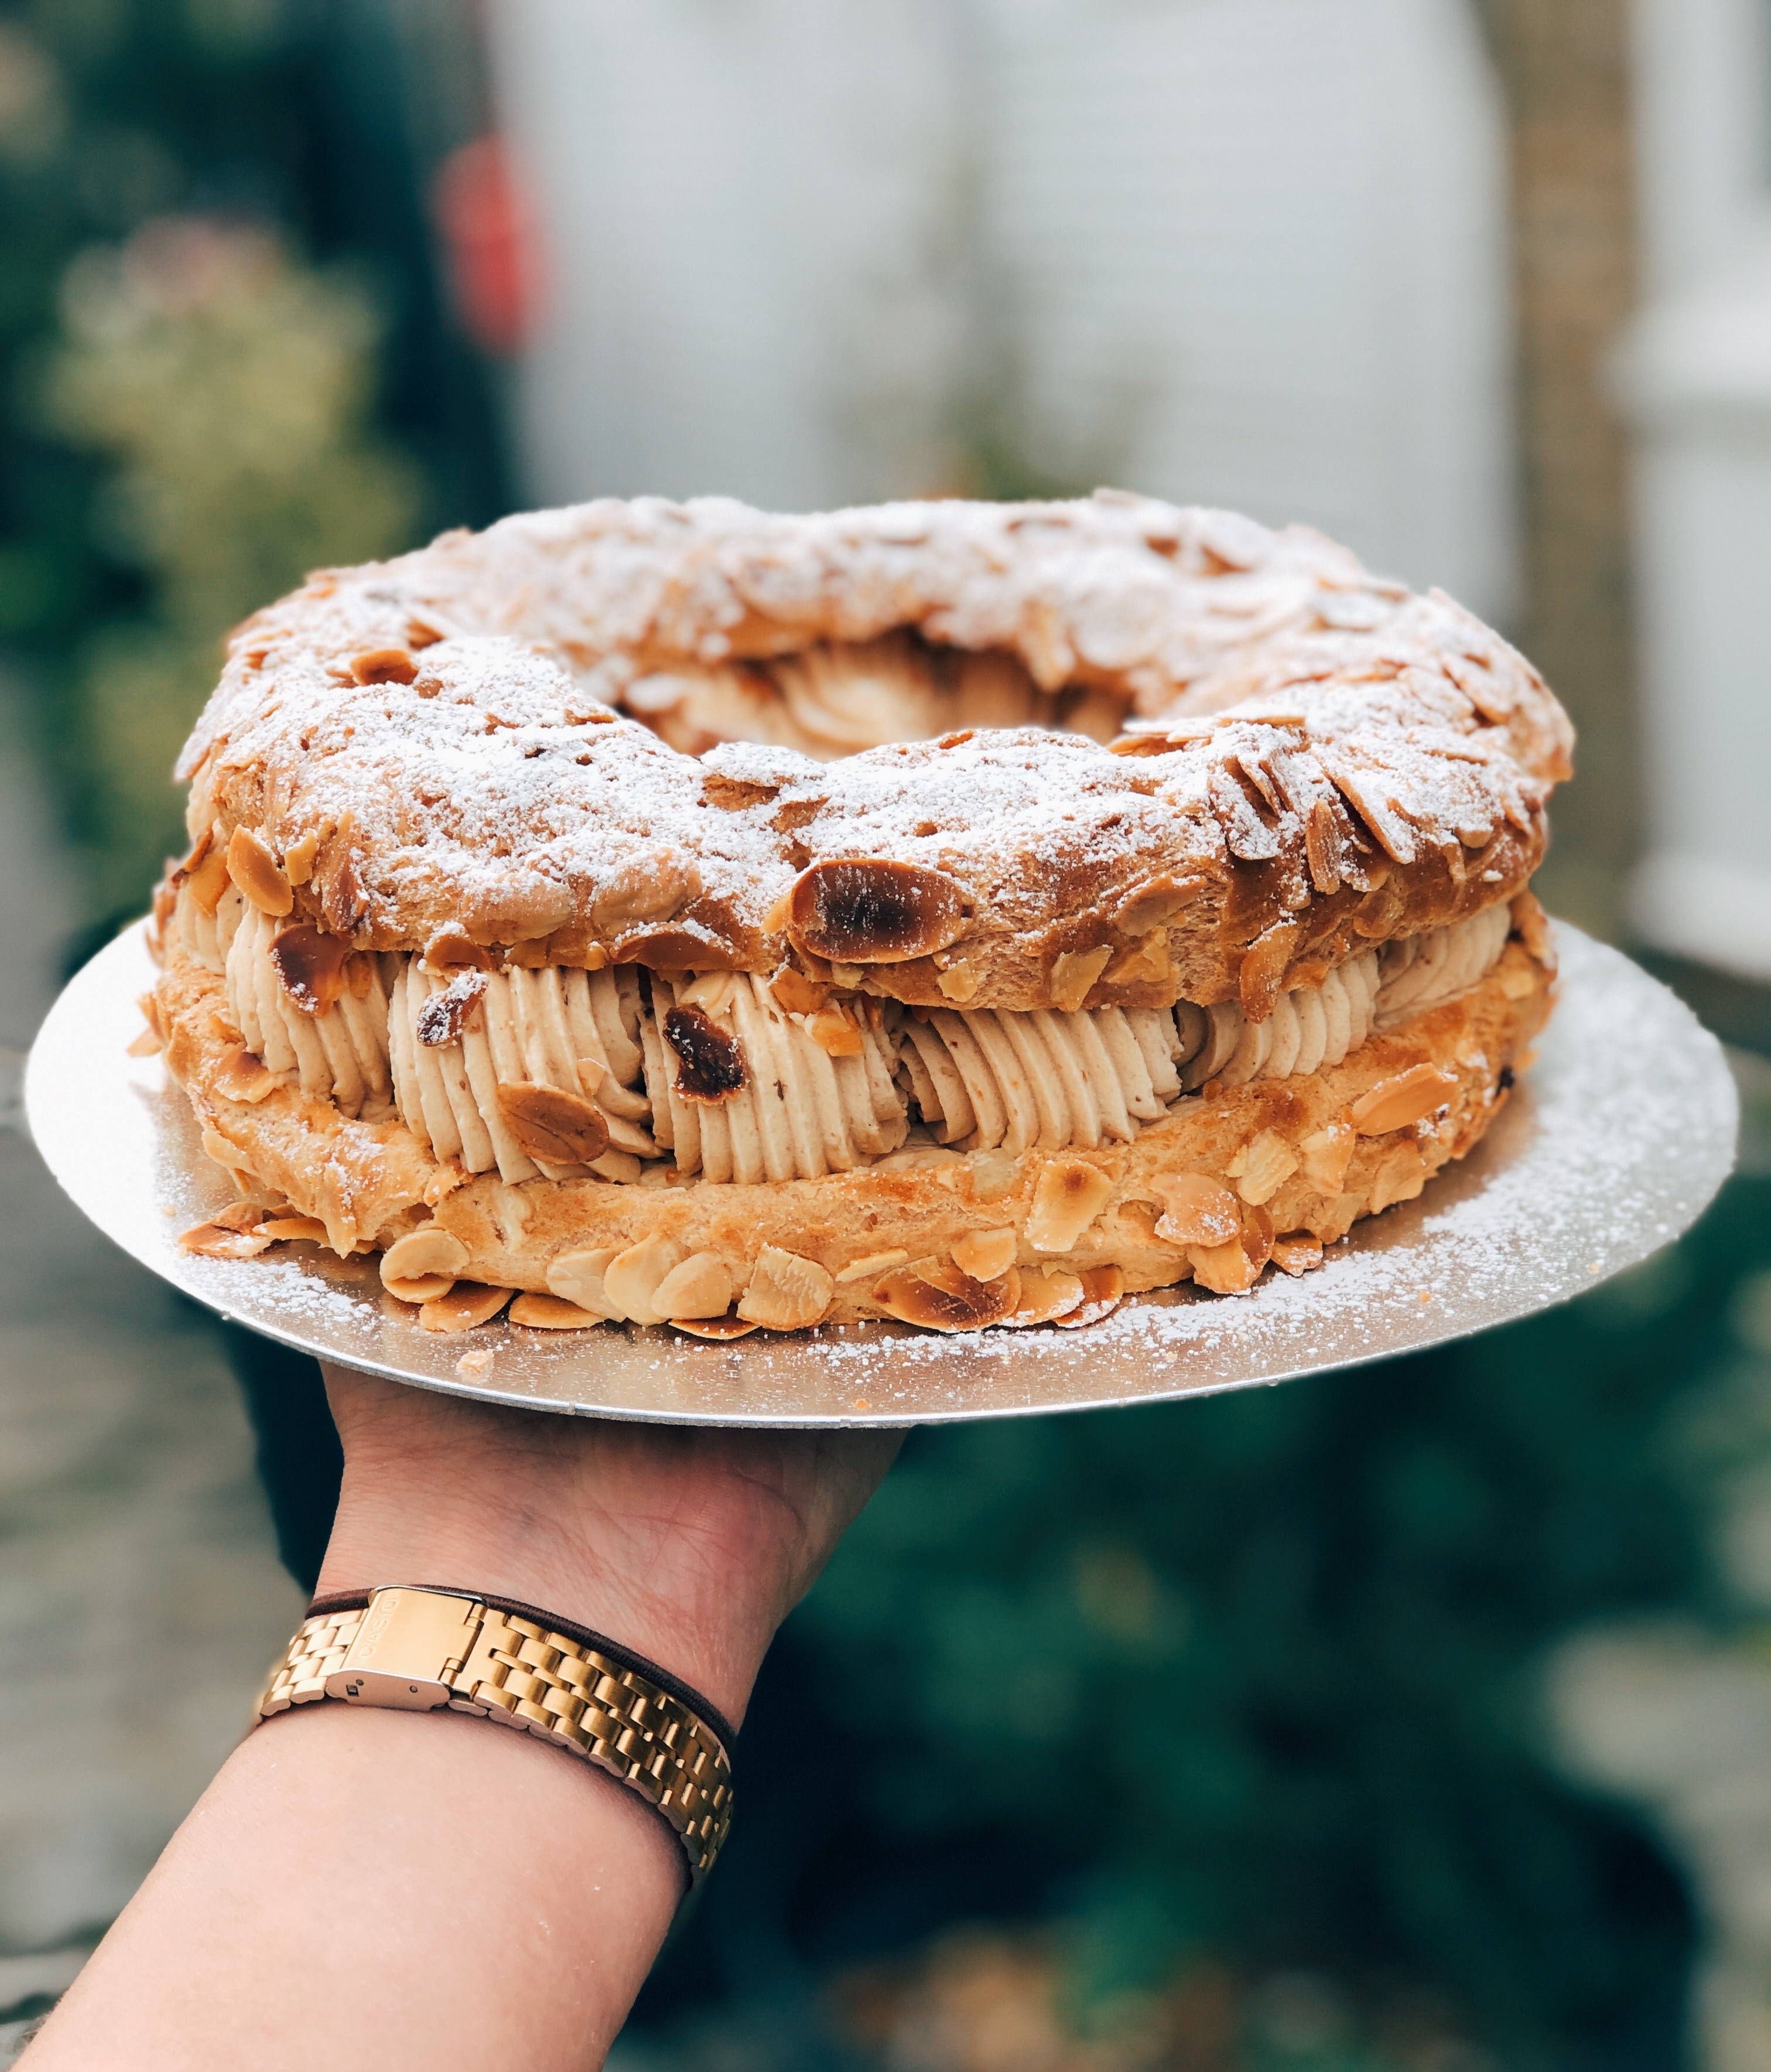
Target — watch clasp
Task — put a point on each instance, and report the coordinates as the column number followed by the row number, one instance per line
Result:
column 410, row 1645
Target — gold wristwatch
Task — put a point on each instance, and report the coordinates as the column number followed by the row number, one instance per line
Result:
column 417, row 1647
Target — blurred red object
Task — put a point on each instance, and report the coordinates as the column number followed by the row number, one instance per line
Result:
column 487, row 220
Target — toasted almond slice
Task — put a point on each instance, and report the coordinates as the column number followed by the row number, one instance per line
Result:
column 214, row 1240
column 467, row 1304
column 787, row 1293
column 1146, row 963
column 1269, row 1163
column 836, row 1032
column 795, row 993
column 217, row 1147
column 471, row 1366
column 547, row 1313
column 208, row 881
column 1326, row 1156
column 1197, row 1209
column 632, row 1278
column 1103, row 1289
column 1234, row 1268
column 993, row 1174
column 383, row 665
column 1073, row 973
column 146, row 1044
column 1401, row 1174
column 421, row 1288
column 701, row 1286
column 940, row 1296
column 1045, row 1297
column 239, row 1216
column 294, row 1230
column 556, row 1126
column 959, row 982
column 985, row 1254
column 1068, row 1195
column 874, row 1263
column 1393, row 1103
column 242, row 1077
column 421, row 1252
column 577, row 1276
column 257, row 872
column 298, row 858
column 1301, row 1252
column 731, row 1326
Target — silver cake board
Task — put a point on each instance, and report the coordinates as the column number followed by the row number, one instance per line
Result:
column 1619, row 1134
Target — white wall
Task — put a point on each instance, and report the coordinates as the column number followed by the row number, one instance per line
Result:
column 1242, row 251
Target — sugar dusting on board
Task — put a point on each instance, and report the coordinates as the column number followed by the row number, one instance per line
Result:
column 1621, row 1133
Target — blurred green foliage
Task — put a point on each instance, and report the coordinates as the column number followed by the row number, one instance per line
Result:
column 1260, row 1673
column 187, row 408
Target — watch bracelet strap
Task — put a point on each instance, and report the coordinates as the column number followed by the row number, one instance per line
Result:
column 563, row 1683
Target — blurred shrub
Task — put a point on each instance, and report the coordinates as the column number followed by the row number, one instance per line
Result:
column 1254, row 1680
column 230, row 388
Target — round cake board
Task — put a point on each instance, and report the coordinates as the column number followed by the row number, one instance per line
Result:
column 1619, row 1134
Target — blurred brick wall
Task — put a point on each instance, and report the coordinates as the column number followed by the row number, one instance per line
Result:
column 1565, row 68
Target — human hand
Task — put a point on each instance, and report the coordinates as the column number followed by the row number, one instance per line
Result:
column 690, row 1544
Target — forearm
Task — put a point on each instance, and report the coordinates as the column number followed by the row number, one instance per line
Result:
column 386, row 1889
column 396, row 1890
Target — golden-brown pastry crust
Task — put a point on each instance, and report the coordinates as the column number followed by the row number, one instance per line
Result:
column 427, row 752
column 1278, row 1144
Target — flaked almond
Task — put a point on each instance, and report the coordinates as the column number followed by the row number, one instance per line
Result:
column 1045, row 1297
column 152, row 1039
column 1393, row 1103
column 466, row 1305
column 795, row 993
column 421, row 1288
column 787, row 1293
column 985, row 1254
column 444, row 1015
column 875, row 1262
column 1301, row 1252
column 1197, row 1209
column 645, row 891
column 1146, row 963
column 1269, row 1162
column 560, row 1128
column 731, row 1325
column 938, row 1296
column 420, row 1252
column 383, row 665
column 452, row 948
column 309, row 966
column 713, row 992
column 1103, row 1289
column 298, row 858
column 259, row 876
column 710, row 1063
column 1325, row 1154
column 475, row 1365
column 547, row 1313
column 294, row 1230
column 1074, row 973
column 1401, row 1174
column 871, row 910
column 240, row 1216
column 1234, row 1268
column 1068, row 1195
column 217, row 1147
column 1261, row 977
column 836, row 1032
column 242, row 1077
column 701, row 1286
column 623, row 1167
column 577, row 1277
column 208, row 880
column 214, row 1240
column 959, row 982
column 1154, row 904
column 632, row 1278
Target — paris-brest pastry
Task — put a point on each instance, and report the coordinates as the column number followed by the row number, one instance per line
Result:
column 966, row 914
